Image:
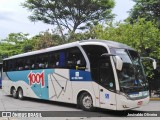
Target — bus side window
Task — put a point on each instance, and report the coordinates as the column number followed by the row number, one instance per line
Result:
column 5, row 67
column 41, row 62
column 12, row 65
column 19, row 64
column 75, row 58
column 53, row 60
column 27, row 65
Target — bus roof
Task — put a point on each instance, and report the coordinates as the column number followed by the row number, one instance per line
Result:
column 109, row 43
column 68, row 45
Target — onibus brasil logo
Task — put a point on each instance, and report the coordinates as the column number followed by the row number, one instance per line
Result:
column 36, row 78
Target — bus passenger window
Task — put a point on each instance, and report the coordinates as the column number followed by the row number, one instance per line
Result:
column 41, row 65
column 19, row 64
column 57, row 64
column 42, row 61
column 11, row 65
column 75, row 58
column 53, row 60
column 27, row 65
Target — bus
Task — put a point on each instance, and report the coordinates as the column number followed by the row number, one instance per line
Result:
column 89, row 73
column 0, row 75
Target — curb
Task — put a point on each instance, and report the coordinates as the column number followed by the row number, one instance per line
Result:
column 155, row 99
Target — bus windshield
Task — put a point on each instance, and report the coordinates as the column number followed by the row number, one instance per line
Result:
column 131, row 78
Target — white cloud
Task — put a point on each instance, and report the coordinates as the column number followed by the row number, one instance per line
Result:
column 14, row 19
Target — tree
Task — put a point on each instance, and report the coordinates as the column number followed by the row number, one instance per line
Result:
column 46, row 39
column 149, row 9
column 15, row 43
column 142, row 35
column 69, row 14
column 7, row 49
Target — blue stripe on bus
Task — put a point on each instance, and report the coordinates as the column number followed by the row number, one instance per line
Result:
column 79, row 75
column 39, row 89
column 41, row 92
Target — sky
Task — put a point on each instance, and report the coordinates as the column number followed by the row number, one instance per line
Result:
column 14, row 18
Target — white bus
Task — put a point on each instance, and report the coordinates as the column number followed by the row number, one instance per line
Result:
column 89, row 73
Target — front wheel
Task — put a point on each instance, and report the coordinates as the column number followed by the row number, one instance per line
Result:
column 20, row 94
column 86, row 102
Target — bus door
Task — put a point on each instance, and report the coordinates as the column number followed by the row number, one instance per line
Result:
column 106, row 84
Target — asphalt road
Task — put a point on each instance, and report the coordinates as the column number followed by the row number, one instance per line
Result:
column 65, row 111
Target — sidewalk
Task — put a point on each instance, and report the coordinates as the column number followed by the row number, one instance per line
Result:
column 155, row 97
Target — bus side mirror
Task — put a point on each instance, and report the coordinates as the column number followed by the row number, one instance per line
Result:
column 154, row 64
column 119, row 63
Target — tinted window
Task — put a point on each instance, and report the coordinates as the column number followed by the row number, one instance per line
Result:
column 70, row 58
column 30, row 63
column 53, row 59
column 5, row 67
column 41, row 62
column 106, row 76
column 94, row 53
column 75, row 59
column 19, row 64
column 101, row 68
column 57, row 59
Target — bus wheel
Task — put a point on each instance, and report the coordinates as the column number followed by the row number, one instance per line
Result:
column 20, row 94
column 86, row 102
column 14, row 92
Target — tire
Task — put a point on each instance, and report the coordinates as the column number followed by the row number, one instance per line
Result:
column 20, row 94
column 86, row 102
column 14, row 93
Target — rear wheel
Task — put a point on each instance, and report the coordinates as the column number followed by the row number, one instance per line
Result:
column 20, row 93
column 86, row 102
column 14, row 93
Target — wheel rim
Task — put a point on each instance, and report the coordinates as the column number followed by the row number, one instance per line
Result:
column 14, row 92
column 87, row 102
column 20, row 94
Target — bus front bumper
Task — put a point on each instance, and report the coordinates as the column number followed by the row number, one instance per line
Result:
column 125, row 104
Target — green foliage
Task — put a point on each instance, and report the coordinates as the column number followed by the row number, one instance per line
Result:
column 71, row 14
column 142, row 35
column 148, row 9
column 13, row 44
column 17, row 43
column 47, row 39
